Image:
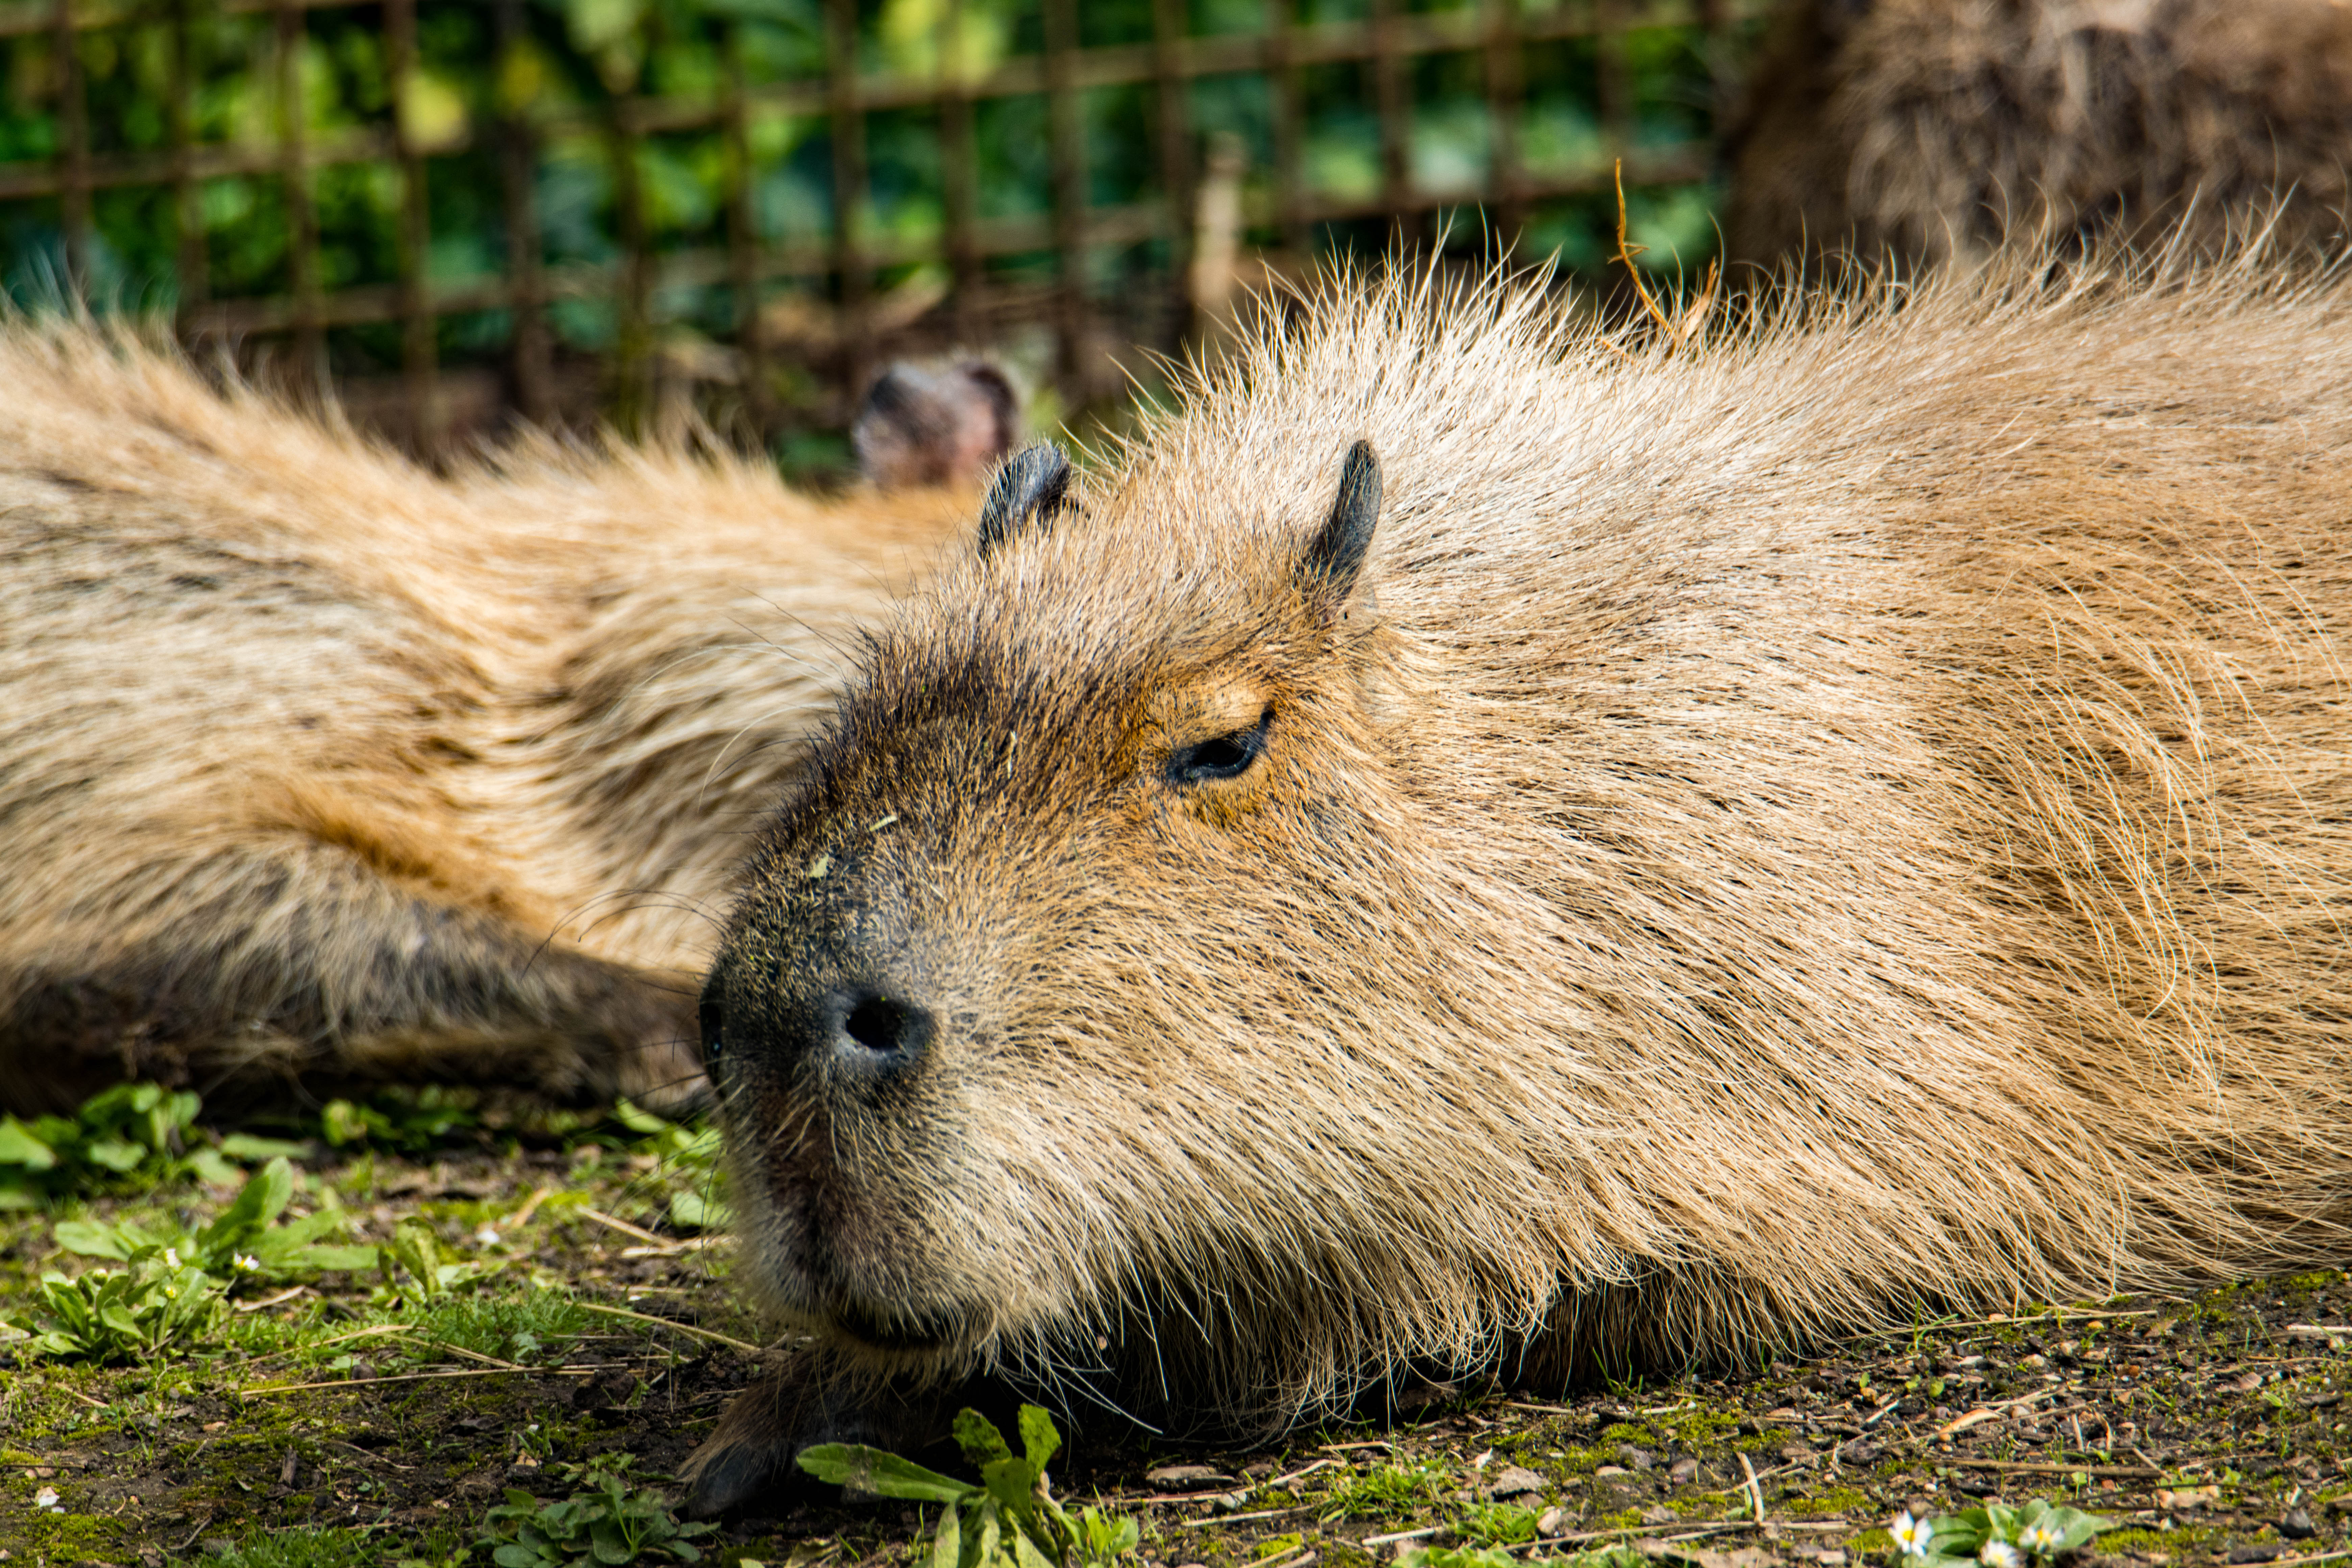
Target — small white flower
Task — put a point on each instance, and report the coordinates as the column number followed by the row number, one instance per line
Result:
column 2040, row 1538
column 1910, row 1534
column 47, row 1499
column 485, row 1237
column 172, row 1256
column 1998, row 1553
column 249, row 1262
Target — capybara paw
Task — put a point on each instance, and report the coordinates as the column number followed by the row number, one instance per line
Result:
column 749, row 1457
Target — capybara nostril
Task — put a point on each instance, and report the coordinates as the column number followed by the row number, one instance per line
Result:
column 881, row 1032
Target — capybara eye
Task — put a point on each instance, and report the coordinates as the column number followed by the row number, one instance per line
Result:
column 712, row 1016
column 1224, row 757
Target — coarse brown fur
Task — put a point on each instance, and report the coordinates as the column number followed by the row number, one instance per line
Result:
column 315, row 766
column 1854, row 815
column 1931, row 129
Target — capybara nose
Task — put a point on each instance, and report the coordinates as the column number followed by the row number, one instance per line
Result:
column 875, row 1032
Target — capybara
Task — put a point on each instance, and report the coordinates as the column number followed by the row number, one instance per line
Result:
column 316, row 767
column 1925, row 129
column 1475, row 846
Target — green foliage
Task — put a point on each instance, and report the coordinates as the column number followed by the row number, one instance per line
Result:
column 576, row 58
column 1457, row 1557
column 122, row 1315
column 521, row 1328
column 691, row 1153
column 309, row 1546
column 1009, row 1521
column 407, row 1121
column 1996, row 1535
column 1389, row 1491
column 606, row 1522
column 1497, row 1524
column 1473, row 1556
column 129, row 1138
column 249, row 1240
column 413, row 1265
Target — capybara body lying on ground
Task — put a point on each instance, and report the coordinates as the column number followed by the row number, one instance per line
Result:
column 1474, row 847
column 313, row 764
column 1938, row 128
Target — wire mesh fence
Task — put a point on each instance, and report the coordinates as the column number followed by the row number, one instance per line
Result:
column 457, row 211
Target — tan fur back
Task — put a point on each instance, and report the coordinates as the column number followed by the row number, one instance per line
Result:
column 1927, row 129
column 278, row 707
column 1852, row 815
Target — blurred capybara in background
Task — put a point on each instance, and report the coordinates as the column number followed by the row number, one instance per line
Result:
column 313, row 766
column 1931, row 129
column 1474, row 847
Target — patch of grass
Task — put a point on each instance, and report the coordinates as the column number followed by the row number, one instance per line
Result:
column 1386, row 1491
column 304, row 1547
column 405, row 1120
column 535, row 1325
column 130, row 1138
column 1496, row 1525
column 71, row 1538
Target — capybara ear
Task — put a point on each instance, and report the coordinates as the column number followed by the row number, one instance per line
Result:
column 918, row 427
column 1029, row 490
column 1335, row 558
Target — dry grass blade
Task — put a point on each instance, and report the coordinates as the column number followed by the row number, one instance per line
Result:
column 1678, row 329
column 709, row 1335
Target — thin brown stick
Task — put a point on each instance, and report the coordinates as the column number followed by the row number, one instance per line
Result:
column 682, row 1328
column 2019, row 1467
column 521, row 1217
column 420, row 1377
column 1755, row 1491
column 623, row 1226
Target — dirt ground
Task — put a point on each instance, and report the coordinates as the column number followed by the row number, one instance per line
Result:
column 381, row 1429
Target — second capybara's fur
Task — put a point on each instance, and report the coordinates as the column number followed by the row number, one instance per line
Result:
column 1936, row 129
column 315, row 766
column 1474, row 846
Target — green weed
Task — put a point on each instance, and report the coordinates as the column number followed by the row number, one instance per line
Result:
column 310, row 1547
column 1996, row 1535
column 608, row 1522
column 250, row 1239
column 414, row 1268
column 689, row 1151
column 1009, row 1521
column 526, row 1328
column 129, row 1138
column 1387, row 1492
column 1497, row 1524
column 122, row 1315
column 1496, row 1557
column 401, row 1120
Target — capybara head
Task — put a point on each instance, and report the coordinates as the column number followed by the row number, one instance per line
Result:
column 935, row 425
column 1001, row 908
column 1471, row 845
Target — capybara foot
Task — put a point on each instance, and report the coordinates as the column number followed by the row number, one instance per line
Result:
column 749, row 1457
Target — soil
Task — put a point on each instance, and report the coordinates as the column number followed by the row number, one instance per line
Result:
column 2211, row 1430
